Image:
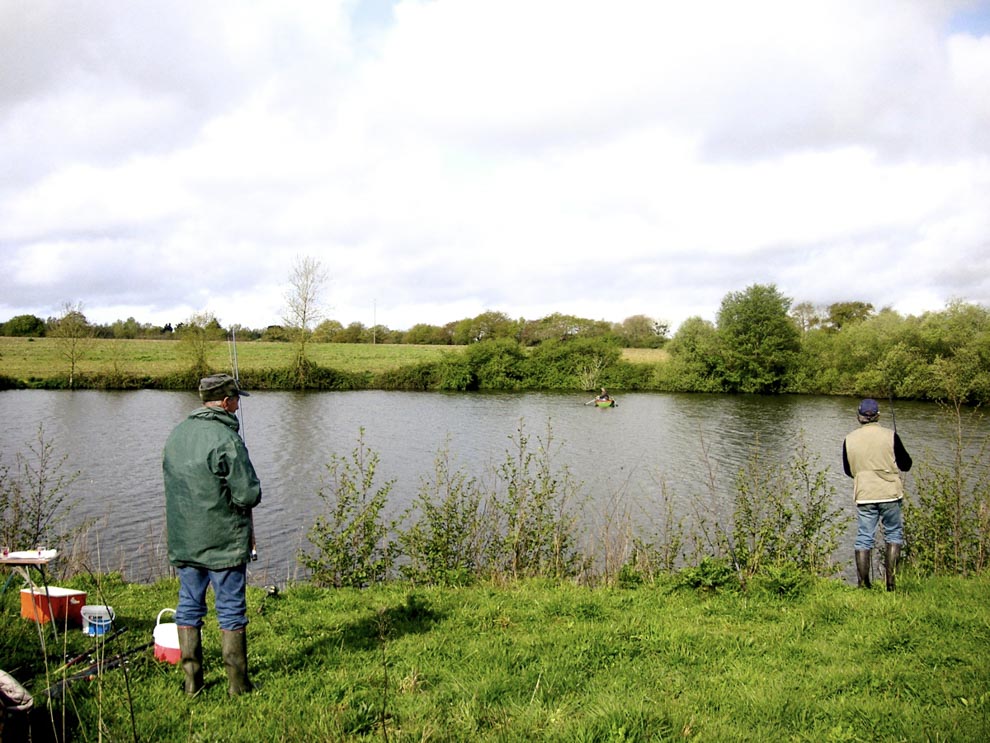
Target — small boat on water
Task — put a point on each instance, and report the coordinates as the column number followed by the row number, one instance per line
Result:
column 610, row 403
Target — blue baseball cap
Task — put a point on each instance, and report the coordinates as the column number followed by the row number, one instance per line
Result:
column 869, row 407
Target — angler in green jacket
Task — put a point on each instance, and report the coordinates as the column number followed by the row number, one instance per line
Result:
column 875, row 457
column 210, row 489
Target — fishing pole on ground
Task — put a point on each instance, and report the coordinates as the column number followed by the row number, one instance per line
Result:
column 95, row 669
column 232, row 348
column 101, row 642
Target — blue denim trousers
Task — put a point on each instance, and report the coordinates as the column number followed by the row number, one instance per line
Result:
column 228, row 592
column 872, row 513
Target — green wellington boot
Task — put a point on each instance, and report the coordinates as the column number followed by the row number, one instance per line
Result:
column 234, row 645
column 890, row 559
column 191, row 658
column 863, row 567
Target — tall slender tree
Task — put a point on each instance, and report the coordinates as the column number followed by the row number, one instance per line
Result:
column 304, row 308
column 72, row 334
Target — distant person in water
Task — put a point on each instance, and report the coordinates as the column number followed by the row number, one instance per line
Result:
column 875, row 457
column 603, row 397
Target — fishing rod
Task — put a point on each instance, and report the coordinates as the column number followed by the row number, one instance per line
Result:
column 101, row 641
column 95, row 669
column 232, row 347
column 893, row 418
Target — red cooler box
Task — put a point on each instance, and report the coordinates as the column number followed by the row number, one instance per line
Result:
column 66, row 603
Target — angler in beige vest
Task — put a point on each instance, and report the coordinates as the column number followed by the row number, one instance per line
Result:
column 875, row 457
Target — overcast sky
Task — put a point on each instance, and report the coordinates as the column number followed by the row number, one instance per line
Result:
column 443, row 158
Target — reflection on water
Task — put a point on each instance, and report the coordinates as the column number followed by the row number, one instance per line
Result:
column 619, row 455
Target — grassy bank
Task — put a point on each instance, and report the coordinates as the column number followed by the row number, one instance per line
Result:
column 39, row 358
column 541, row 661
column 35, row 360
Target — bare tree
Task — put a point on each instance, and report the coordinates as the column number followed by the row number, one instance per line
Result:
column 304, row 307
column 72, row 334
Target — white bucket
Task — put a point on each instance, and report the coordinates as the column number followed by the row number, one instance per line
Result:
column 96, row 620
column 166, row 639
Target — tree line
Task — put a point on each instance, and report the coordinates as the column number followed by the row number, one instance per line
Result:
column 760, row 342
column 637, row 331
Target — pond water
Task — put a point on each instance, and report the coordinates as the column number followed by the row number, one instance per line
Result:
column 617, row 456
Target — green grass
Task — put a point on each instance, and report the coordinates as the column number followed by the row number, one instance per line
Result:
column 39, row 358
column 542, row 661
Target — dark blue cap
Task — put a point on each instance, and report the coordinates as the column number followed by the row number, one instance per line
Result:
column 869, row 407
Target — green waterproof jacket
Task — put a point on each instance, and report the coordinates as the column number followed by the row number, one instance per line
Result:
column 210, row 489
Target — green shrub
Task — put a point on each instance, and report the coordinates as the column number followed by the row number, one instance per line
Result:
column 536, row 510
column 947, row 521
column 711, row 574
column 449, row 534
column 786, row 581
column 352, row 543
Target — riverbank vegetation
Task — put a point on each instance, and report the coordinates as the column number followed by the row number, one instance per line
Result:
column 488, row 612
column 760, row 343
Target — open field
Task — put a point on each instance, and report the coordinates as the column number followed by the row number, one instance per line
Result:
column 538, row 661
column 40, row 358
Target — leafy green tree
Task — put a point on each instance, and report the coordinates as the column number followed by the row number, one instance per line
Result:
column 561, row 328
column 271, row 334
column 806, row 316
column 843, row 314
column 128, row 328
column 759, row 340
column 489, row 325
column 24, row 326
column 640, row 331
column 427, row 335
column 355, row 332
column 696, row 359
column 327, row 331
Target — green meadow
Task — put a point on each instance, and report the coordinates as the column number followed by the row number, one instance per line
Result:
column 40, row 358
column 540, row 661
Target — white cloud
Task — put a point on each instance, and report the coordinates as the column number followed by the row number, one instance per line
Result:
column 449, row 157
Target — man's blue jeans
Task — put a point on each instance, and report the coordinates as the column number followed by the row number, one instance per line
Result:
column 872, row 513
column 228, row 590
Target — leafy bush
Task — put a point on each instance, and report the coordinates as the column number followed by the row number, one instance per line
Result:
column 447, row 541
column 947, row 523
column 783, row 514
column 578, row 363
column 534, row 503
column 351, row 540
column 786, row 581
column 711, row 574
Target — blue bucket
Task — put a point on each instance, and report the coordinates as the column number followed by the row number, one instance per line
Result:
column 96, row 620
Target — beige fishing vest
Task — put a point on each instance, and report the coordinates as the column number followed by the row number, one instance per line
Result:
column 870, row 452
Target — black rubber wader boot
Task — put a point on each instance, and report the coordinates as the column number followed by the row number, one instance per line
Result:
column 863, row 567
column 891, row 557
column 191, row 658
column 234, row 647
